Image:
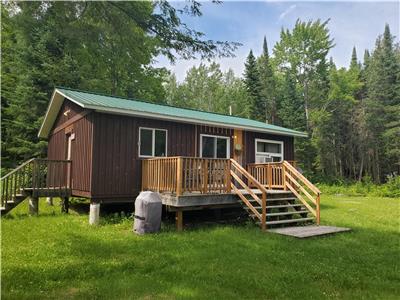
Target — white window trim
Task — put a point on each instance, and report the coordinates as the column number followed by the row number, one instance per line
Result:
column 153, row 137
column 281, row 155
column 228, row 144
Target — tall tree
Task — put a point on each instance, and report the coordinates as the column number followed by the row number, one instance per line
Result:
column 100, row 46
column 252, row 81
column 303, row 50
column 207, row 88
column 382, row 107
column 267, row 85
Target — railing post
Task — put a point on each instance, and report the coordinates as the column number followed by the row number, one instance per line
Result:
column 179, row 176
column 158, row 174
column 318, row 209
column 269, row 176
column 284, row 176
column 228, row 178
column 205, row 176
column 264, row 212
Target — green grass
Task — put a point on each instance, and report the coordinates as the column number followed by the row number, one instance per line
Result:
column 61, row 256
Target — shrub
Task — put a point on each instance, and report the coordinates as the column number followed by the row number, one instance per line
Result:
column 365, row 187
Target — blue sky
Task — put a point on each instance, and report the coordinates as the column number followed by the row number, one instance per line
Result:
column 351, row 24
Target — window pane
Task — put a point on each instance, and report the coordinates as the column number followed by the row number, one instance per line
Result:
column 146, row 141
column 260, row 147
column 160, row 143
column 276, row 158
column 207, row 146
column 268, row 147
column 222, row 148
column 273, row 148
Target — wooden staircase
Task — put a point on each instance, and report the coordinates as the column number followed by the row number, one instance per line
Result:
column 35, row 178
column 293, row 201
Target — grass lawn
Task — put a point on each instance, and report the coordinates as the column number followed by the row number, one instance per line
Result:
column 61, row 256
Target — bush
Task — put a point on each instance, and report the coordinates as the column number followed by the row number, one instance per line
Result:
column 364, row 188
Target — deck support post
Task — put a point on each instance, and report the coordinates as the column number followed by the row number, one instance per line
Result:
column 33, row 206
column 65, row 205
column 94, row 213
column 49, row 201
column 179, row 220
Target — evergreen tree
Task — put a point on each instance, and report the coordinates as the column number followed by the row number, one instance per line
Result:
column 267, row 85
column 382, row 107
column 100, row 46
column 354, row 64
column 252, row 82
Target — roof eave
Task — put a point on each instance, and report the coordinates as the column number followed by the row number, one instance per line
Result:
column 57, row 99
column 191, row 121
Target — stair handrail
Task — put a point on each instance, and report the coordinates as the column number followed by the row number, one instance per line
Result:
column 32, row 175
column 18, row 168
column 291, row 181
column 250, row 178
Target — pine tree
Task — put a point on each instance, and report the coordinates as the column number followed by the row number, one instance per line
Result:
column 354, row 64
column 382, row 107
column 251, row 79
column 267, row 85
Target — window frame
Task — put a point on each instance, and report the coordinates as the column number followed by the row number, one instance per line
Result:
column 153, row 142
column 281, row 155
column 228, row 145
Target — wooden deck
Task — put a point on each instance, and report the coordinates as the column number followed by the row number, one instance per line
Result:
column 197, row 199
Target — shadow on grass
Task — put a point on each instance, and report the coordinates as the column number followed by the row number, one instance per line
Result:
column 102, row 263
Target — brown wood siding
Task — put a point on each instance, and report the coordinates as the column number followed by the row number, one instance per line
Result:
column 106, row 164
column 249, row 148
column 57, row 146
column 116, row 161
column 81, row 154
column 73, row 108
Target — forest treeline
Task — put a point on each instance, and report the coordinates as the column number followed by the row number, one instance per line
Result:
column 352, row 114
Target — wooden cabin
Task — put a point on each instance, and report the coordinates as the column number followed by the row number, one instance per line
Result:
column 117, row 147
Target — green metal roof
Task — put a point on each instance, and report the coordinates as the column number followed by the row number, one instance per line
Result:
column 118, row 105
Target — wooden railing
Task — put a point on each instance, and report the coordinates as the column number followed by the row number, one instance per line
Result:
column 284, row 175
column 36, row 175
column 239, row 177
column 186, row 174
column 268, row 174
column 302, row 188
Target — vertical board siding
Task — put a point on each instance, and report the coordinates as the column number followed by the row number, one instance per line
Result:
column 73, row 108
column 81, row 154
column 116, row 161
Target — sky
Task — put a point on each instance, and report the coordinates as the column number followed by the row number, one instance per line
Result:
column 351, row 24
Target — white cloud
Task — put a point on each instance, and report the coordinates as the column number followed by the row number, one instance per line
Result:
column 287, row 11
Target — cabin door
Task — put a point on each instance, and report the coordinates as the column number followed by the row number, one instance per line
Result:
column 70, row 139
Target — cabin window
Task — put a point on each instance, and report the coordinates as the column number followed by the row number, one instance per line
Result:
column 212, row 146
column 268, row 151
column 152, row 142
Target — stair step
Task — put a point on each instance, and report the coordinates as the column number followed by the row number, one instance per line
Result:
column 276, row 199
column 288, row 221
column 286, row 205
column 275, row 206
column 287, row 213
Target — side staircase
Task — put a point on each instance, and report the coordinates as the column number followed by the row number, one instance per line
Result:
column 293, row 201
column 35, row 178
